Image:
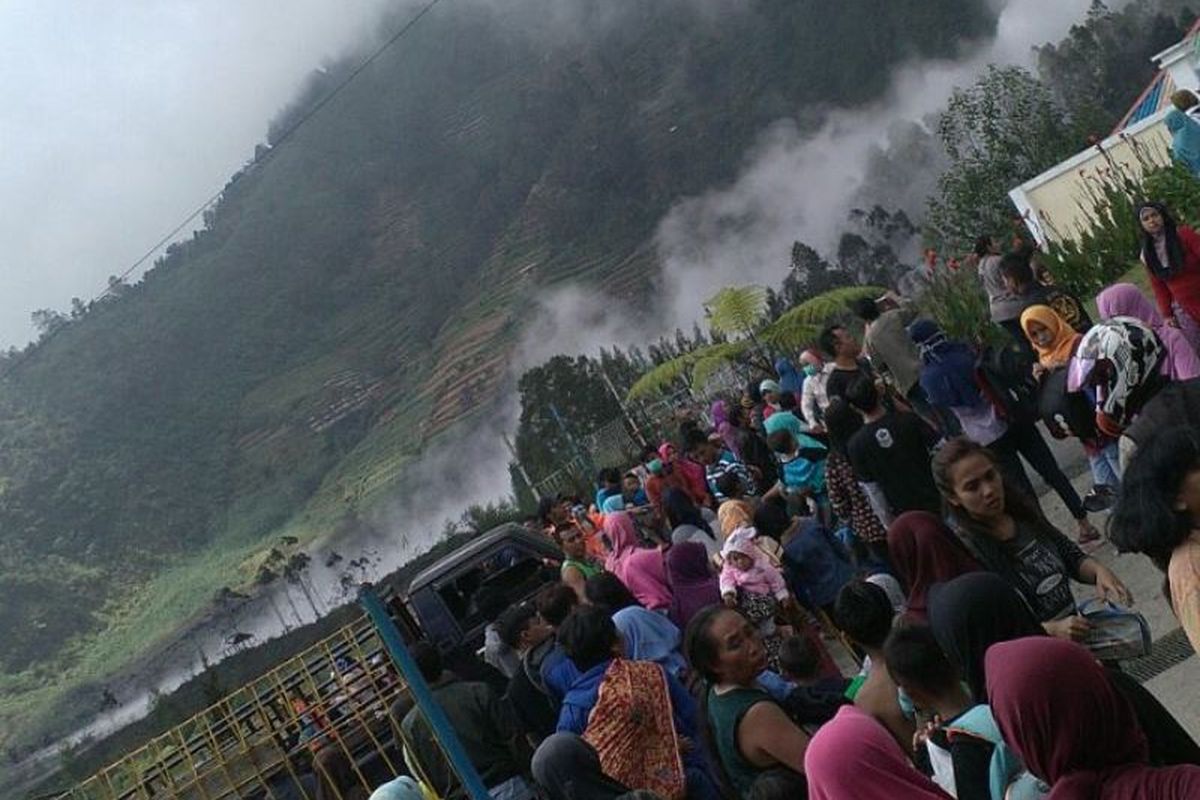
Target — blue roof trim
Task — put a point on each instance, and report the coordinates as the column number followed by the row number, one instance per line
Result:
column 1150, row 103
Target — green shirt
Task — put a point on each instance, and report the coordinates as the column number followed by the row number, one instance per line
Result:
column 588, row 568
column 725, row 712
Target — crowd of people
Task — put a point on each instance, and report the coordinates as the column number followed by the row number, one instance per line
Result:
column 840, row 582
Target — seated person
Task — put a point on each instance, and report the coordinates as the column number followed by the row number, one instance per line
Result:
column 816, row 697
column 557, row 672
column 865, row 614
column 525, row 632
column 653, row 749
column 968, row 755
column 486, row 727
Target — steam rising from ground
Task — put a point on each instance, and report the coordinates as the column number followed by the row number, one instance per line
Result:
column 800, row 186
column 795, row 185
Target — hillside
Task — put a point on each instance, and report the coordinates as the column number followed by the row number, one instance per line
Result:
column 360, row 291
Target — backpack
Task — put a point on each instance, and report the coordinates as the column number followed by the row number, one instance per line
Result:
column 1006, row 375
column 1007, row 776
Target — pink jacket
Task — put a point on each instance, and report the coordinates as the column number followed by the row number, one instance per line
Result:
column 762, row 578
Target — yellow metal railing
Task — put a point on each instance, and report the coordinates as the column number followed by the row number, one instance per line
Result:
column 319, row 717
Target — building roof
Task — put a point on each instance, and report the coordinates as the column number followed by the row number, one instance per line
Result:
column 1157, row 94
column 1153, row 99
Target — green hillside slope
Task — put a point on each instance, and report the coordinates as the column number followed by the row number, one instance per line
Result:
column 360, row 292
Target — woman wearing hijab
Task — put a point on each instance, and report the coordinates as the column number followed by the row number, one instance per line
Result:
column 975, row 611
column 971, row 613
column 687, row 522
column 1124, row 300
column 724, row 428
column 1185, row 139
column 641, row 569
column 1171, row 253
column 1057, row 708
column 925, row 552
column 853, row 756
column 649, row 636
column 791, row 381
column 1052, row 338
column 951, row 379
column 693, row 585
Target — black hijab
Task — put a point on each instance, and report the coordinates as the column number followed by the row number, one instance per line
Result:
column 1174, row 248
column 973, row 612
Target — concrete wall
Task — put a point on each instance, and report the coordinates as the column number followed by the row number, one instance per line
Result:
column 1056, row 205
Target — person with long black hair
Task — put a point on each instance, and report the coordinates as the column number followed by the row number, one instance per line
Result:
column 1009, row 535
column 1158, row 514
column 1171, row 254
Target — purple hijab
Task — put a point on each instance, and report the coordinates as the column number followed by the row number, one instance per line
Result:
column 1125, row 300
column 724, row 428
column 693, row 586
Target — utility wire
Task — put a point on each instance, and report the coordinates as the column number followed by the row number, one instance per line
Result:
column 257, row 162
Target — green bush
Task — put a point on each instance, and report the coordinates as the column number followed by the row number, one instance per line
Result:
column 956, row 300
column 1109, row 247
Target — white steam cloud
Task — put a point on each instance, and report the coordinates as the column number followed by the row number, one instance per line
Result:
column 799, row 186
column 794, row 185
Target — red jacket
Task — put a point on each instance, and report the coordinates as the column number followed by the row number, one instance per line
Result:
column 1184, row 286
column 697, row 479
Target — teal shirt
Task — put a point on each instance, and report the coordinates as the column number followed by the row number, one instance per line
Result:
column 725, row 712
column 784, row 421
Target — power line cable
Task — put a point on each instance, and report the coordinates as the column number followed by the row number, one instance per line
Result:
column 257, row 162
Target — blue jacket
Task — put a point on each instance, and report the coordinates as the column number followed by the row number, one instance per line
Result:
column 815, row 564
column 581, row 698
column 558, row 673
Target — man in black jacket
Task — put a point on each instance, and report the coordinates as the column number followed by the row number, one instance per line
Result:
column 487, row 729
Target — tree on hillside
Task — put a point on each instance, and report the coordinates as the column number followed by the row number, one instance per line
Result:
column 265, row 580
column 1002, row 131
column 46, row 321
column 1102, row 65
column 562, row 401
column 296, row 573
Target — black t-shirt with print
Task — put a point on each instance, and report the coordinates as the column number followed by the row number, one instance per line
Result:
column 893, row 452
column 1044, row 568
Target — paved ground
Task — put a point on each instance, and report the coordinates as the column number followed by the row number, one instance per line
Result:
column 1179, row 686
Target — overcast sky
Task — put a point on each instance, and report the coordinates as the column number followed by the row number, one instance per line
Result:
column 120, row 117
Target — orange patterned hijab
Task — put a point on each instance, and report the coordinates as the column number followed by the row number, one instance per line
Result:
column 633, row 730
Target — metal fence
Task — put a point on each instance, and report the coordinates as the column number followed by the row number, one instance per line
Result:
column 321, row 717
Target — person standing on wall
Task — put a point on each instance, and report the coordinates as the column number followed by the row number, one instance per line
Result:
column 1003, row 306
column 1171, row 254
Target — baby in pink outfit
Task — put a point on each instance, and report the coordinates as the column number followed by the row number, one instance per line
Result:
column 746, row 568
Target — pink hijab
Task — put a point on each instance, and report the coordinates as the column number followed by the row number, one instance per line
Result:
column 853, row 756
column 1124, row 300
column 641, row 569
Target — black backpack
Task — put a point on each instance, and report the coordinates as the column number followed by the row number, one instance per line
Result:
column 1008, row 372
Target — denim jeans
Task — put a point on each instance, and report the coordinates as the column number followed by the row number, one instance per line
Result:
column 1106, row 465
column 514, row 788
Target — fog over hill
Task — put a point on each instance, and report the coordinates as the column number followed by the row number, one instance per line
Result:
column 331, row 356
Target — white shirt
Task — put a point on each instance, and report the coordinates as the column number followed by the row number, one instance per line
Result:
column 813, row 398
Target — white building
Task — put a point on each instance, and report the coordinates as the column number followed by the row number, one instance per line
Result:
column 1057, row 205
